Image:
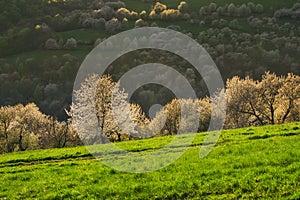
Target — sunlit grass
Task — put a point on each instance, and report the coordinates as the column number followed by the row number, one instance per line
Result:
column 254, row 162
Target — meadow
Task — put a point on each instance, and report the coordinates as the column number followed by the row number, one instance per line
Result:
column 247, row 163
column 255, row 162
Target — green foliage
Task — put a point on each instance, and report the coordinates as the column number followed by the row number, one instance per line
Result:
column 238, row 167
column 21, row 39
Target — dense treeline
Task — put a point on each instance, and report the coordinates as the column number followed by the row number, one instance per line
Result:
column 16, row 11
column 48, row 83
column 273, row 100
column 26, row 128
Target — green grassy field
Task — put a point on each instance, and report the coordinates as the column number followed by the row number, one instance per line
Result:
column 247, row 163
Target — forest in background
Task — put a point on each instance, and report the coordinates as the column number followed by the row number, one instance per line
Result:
column 42, row 43
column 273, row 100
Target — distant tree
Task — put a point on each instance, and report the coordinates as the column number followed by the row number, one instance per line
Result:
column 251, row 5
column 106, row 12
column 232, row 10
column 259, row 8
column 183, row 7
column 143, row 14
column 140, row 23
column 159, row 7
column 51, row 44
column 115, row 4
column 212, row 7
column 134, row 15
column 71, row 44
column 113, row 26
column 202, row 11
column 122, row 13
column 244, row 11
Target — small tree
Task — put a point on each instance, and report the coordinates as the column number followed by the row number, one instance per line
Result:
column 232, row 10
column 212, row 7
column 140, row 23
column 51, row 44
column 159, row 7
column 71, row 44
column 183, row 7
column 122, row 13
column 259, row 8
column 143, row 14
column 113, row 26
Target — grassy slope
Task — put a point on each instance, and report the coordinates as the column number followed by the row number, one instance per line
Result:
column 247, row 163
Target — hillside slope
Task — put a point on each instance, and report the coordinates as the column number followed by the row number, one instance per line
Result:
column 255, row 162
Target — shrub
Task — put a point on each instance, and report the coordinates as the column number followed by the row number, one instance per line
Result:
column 71, row 44
column 97, row 42
column 99, row 23
column 51, row 44
column 186, row 16
column 154, row 24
